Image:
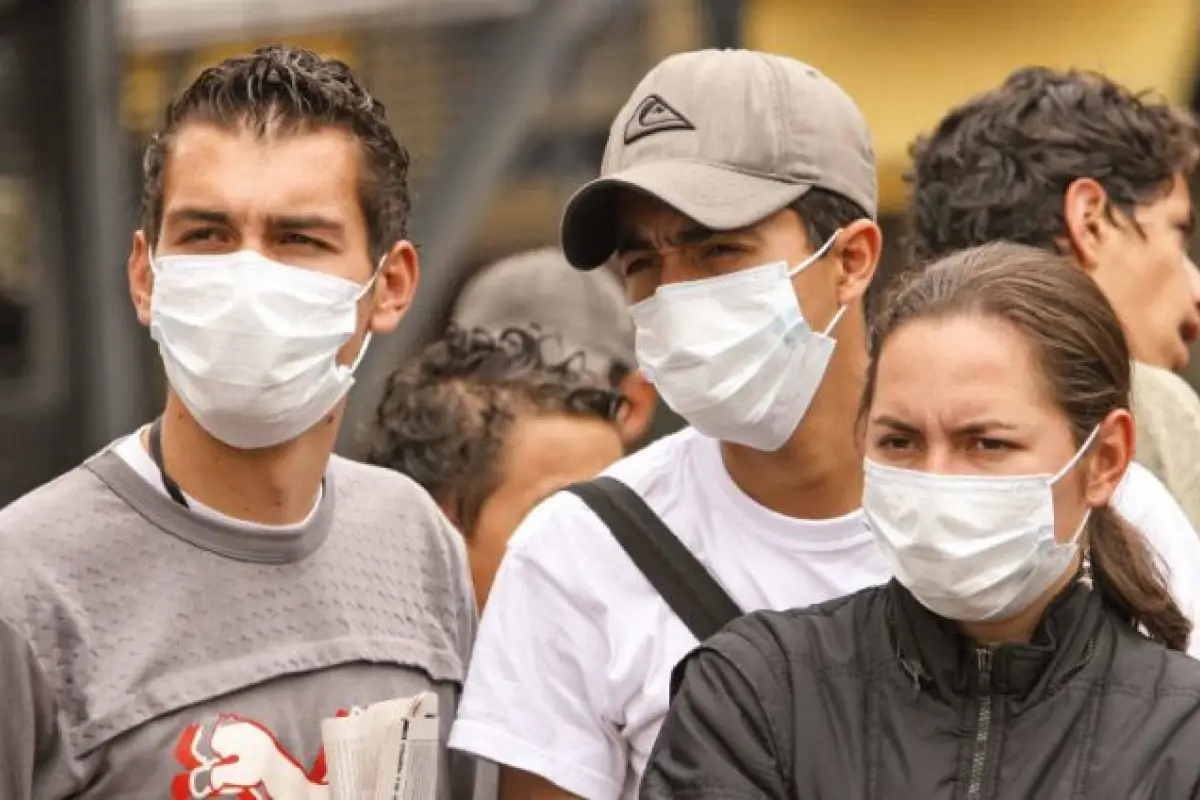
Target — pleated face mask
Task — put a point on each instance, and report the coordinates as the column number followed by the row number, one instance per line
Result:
column 733, row 355
column 970, row 548
column 250, row 345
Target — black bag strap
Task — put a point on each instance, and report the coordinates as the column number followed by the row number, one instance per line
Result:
column 691, row 592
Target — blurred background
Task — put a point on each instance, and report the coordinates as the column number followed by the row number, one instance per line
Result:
column 505, row 106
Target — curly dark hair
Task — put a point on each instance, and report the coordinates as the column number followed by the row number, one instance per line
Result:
column 282, row 90
column 998, row 167
column 443, row 420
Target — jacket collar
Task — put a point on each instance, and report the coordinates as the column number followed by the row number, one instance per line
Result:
column 936, row 655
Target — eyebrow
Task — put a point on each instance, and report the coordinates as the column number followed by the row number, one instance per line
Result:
column 984, row 426
column 287, row 222
column 973, row 428
column 305, row 222
column 693, row 234
column 191, row 214
column 888, row 421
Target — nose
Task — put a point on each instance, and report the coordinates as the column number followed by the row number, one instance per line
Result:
column 1193, row 274
column 938, row 460
column 671, row 266
column 675, row 266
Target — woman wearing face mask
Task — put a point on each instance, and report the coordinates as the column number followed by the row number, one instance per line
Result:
column 1027, row 647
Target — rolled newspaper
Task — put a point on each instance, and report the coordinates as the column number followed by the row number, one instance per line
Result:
column 388, row 751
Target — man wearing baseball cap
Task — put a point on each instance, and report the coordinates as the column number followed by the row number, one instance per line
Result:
column 582, row 312
column 737, row 195
column 733, row 184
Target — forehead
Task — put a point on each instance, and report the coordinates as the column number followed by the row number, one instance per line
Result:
column 240, row 172
column 958, row 367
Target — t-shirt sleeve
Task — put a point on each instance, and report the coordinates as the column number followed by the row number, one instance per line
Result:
column 1148, row 506
column 718, row 741
column 1167, row 411
column 534, row 698
column 33, row 749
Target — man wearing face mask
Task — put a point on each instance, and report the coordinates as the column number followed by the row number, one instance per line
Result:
column 738, row 196
column 180, row 614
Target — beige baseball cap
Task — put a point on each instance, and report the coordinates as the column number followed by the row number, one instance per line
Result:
column 727, row 138
column 583, row 311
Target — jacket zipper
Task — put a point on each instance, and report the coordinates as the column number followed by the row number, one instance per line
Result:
column 983, row 660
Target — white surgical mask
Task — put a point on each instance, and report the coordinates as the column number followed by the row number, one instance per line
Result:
column 250, row 345
column 970, row 548
column 733, row 355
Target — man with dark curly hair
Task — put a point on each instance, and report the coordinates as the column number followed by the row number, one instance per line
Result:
column 186, row 613
column 580, row 311
column 491, row 427
column 1075, row 163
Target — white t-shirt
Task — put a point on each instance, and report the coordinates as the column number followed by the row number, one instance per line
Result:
column 571, row 670
column 133, row 453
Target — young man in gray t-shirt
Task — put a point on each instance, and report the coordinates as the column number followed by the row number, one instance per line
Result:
column 179, row 614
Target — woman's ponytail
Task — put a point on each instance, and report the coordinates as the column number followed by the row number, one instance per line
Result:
column 1127, row 575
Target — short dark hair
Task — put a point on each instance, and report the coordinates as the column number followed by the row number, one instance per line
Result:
column 998, row 166
column 823, row 212
column 280, row 89
column 443, row 420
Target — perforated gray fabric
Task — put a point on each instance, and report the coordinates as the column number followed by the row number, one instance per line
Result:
column 144, row 623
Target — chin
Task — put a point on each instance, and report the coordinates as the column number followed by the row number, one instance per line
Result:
column 1182, row 355
column 1179, row 362
column 1174, row 357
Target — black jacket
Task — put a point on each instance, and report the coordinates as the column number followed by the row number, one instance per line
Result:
column 872, row 696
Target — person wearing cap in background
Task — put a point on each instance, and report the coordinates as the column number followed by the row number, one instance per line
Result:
column 584, row 311
column 737, row 195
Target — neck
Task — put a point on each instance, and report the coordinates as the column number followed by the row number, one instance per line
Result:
column 271, row 486
column 818, row 474
column 1020, row 628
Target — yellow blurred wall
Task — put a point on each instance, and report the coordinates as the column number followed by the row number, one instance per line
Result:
column 907, row 62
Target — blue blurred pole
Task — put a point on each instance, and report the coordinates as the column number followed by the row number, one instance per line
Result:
column 113, row 365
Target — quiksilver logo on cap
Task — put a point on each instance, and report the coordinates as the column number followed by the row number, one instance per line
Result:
column 654, row 115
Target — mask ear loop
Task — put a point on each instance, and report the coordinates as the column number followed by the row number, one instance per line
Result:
column 1078, row 534
column 836, row 319
column 362, row 351
column 808, row 262
column 1070, row 465
column 374, row 277
column 815, row 257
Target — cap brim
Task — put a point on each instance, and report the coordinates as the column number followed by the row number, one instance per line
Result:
column 714, row 196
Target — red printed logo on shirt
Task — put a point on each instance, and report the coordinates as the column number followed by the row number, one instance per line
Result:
column 240, row 758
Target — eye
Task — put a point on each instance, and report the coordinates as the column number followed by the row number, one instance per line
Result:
column 301, row 240
column 992, row 445
column 722, row 249
column 894, row 442
column 198, row 235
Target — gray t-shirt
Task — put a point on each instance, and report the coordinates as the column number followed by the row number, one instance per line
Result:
column 146, row 651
